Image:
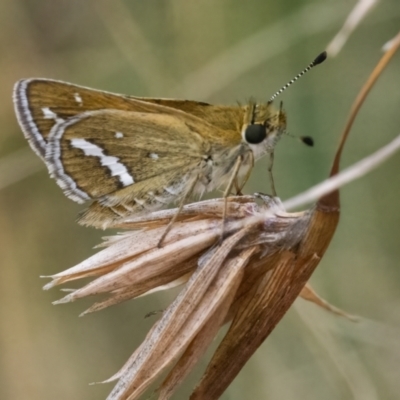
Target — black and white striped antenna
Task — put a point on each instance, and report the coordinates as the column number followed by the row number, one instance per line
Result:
column 318, row 60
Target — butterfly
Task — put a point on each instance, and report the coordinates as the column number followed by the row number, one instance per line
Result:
column 130, row 155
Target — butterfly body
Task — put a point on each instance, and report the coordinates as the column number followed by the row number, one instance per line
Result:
column 133, row 155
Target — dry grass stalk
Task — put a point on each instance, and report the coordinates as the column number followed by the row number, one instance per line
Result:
column 250, row 279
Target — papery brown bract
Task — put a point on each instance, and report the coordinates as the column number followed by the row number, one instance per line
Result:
column 262, row 307
column 226, row 282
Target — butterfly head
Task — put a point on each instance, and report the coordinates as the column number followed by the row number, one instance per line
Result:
column 263, row 127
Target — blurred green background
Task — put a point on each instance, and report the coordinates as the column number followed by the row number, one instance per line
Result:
column 222, row 52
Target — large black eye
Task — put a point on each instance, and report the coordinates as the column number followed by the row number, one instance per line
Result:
column 255, row 133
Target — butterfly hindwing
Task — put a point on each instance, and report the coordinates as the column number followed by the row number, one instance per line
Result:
column 97, row 153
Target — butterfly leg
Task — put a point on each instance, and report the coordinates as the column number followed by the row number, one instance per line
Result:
column 181, row 204
column 238, row 188
column 232, row 180
column 271, row 177
column 247, row 176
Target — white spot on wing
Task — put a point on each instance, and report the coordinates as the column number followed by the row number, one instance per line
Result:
column 78, row 98
column 119, row 135
column 139, row 201
column 128, row 207
column 158, row 199
column 48, row 114
column 172, row 190
column 154, row 156
column 176, row 190
column 112, row 163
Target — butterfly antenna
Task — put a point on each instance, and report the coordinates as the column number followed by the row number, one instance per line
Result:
column 307, row 140
column 318, row 60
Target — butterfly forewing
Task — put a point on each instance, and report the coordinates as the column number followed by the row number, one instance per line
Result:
column 41, row 103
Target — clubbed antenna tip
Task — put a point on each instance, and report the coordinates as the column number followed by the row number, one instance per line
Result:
column 308, row 140
column 320, row 58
